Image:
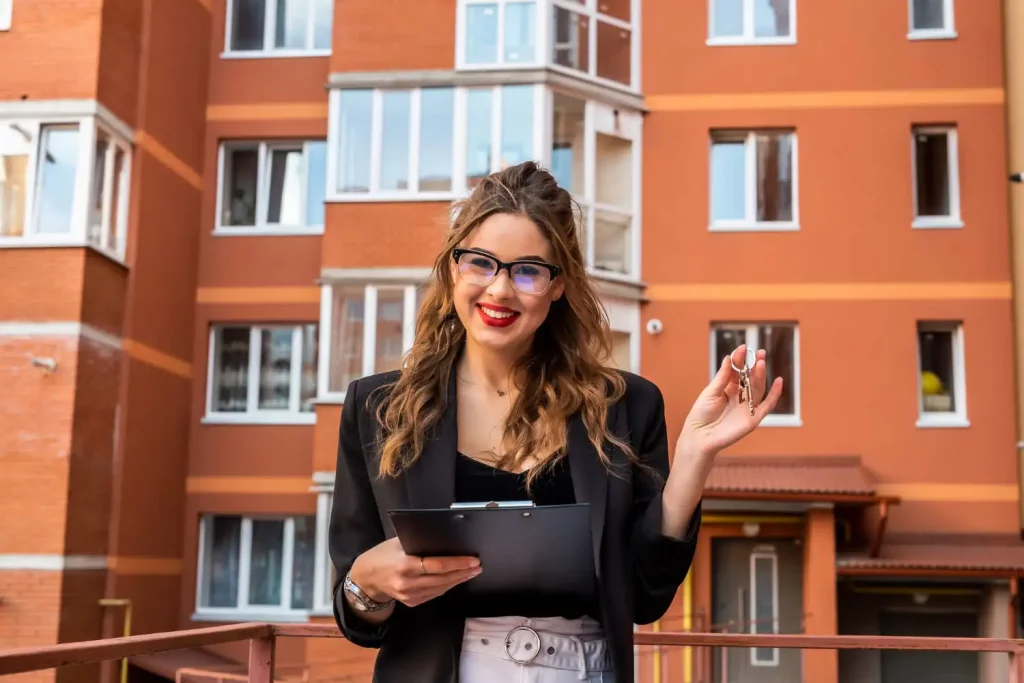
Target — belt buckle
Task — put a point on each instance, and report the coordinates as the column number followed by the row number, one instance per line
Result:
column 508, row 643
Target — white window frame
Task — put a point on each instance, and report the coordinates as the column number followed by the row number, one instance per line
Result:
column 947, row 32
column 121, row 138
column 748, row 37
column 269, row 32
column 749, row 223
column 544, row 32
column 624, row 317
column 265, row 149
column 242, row 610
column 459, row 145
column 327, row 327
column 253, row 415
column 750, row 332
column 764, row 552
column 323, row 598
column 953, row 220
column 958, row 416
column 6, row 14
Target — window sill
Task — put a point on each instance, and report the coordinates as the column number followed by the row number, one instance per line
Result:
column 274, row 54
column 933, row 223
column 234, row 616
column 266, row 232
column 749, row 42
column 940, row 421
column 333, row 399
column 258, row 419
column 390, row 197
column 754, row 227
column 782, row 421
column 56, row 241
column 932, row 35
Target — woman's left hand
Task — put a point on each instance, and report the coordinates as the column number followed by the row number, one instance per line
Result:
column 719, row 418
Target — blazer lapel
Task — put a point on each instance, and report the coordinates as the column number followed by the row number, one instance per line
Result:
column 589, row 481
column 430, row 482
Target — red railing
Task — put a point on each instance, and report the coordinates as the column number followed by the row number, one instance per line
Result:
column 263, row 637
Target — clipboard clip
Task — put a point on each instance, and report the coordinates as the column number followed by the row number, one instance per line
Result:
column 494, row 504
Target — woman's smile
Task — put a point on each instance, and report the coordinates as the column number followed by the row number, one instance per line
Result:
column 497, row 316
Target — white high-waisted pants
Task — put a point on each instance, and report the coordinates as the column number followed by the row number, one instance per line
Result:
column 520, row 650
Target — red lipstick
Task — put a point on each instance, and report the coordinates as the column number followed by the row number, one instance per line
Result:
column 496, row 316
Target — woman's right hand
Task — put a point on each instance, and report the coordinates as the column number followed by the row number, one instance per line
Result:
column 385, row 571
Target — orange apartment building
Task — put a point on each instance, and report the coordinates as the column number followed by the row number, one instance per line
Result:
column 215, row 213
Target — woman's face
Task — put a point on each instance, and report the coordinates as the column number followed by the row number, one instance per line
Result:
column 500, row 312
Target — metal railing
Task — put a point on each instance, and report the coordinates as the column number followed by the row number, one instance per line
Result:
column 263, row 639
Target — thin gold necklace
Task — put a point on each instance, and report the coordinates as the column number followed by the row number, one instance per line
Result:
column 500, row 392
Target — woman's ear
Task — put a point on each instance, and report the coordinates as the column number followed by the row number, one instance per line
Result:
column 557, row 289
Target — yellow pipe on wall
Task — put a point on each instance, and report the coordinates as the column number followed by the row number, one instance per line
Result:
column 688, row 626
column 127, row 605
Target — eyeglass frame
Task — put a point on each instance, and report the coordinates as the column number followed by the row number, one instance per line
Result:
column 555, row 271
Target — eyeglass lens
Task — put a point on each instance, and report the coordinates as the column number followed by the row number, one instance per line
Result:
column 481, row 270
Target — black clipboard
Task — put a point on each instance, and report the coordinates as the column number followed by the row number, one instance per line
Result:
column 543, row 550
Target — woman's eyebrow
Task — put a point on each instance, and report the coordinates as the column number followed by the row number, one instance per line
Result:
column 529, row 257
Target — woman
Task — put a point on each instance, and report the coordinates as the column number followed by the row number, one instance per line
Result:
column 506, row 395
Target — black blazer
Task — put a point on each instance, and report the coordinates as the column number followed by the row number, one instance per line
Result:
column 639, row 569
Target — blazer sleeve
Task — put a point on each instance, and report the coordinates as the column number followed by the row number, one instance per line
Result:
column 355, row 526
column 660, row 562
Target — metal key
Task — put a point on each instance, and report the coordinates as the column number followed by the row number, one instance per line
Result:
column 745, row 390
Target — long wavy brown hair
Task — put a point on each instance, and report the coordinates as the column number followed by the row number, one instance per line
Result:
column 564, row 372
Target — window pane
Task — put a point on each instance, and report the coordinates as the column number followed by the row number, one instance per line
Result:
column 303, row 562
column 728, row 163
column 248, row 18
column 221, row 551
column 778, row 341
column 316, row 183
column 266, row 562
column 390, row 303
column 614, row 53
column 931, row 162
column 726, row 341
column 478, row 132
column 16, row 144
column 57, row 164
column 231, row 370
column 763, row 618
column 611, row 242
column 571, row 35
column 726, row 18
column 481, row 34
column 436, row 139
column 516, row 124
column 519, row 33
column 310, row 356
column 346, row 337
column 614, row 172
column 241, row 175
column 774, row 177
column 567, row 164
column 929, row 14
column 355, row 130
column 284, row 187
column 94, row 231
column 771, row 18
column 275, row 368
column 292, row 19
column 117, row 193
column 620, row 9
column 935, row 347
column 323, row 24
column 394, row 163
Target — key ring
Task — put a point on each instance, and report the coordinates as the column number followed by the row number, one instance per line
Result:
column 739, row 370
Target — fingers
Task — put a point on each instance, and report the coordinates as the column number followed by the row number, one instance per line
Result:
column 443, row 565
column 768, row 404
column 415, row 590
column 722, row 378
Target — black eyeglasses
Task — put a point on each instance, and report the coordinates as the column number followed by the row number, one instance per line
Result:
column 526, row 276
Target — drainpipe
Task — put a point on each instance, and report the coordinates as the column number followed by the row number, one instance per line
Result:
column 1013, row 60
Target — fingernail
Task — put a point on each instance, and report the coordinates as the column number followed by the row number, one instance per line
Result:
column 475, row 562
column 478, row 571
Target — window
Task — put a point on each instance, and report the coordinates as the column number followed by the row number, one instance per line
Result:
column 6, row 9
column 323, row 593
column 764, row 602
column 279, row 27
column 262, row 565
column 941, row 391
column 754, row 181
column 370, row 327
column 781, row 344
column 931, row 19
column 403, row 144
column 64, row 182
column 272, row 187
column 594, row 155
column 497, row 33
column 936, row 178
column 262, row 373
column 755, row 22
column 594, row 39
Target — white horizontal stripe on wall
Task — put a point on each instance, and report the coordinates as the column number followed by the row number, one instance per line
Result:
column 53, row 563
column 59, row 329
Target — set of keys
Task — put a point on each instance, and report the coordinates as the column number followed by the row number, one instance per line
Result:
column 746, row 394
